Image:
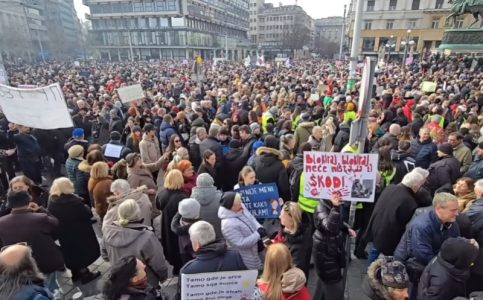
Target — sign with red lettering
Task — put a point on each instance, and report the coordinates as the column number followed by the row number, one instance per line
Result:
column 353, row 176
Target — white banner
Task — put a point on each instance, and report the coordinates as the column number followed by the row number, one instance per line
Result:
column 131, row 93
column 234, row 285
column 42, row 108
column 3, row 75
column 353, row 176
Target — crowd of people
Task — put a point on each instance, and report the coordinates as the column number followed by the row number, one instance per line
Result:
column 159, row 177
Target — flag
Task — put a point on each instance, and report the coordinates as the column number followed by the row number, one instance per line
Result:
column 288, row 64
column 261, row 61
column 474, row 64
column 247, row 61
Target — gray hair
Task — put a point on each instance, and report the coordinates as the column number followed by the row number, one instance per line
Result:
column 120, row 186
column 442, row 199
column 202, row 233
column 214, row 130
column 128, row 211
column 415, row 178
column 479, row 186
column 200, row 130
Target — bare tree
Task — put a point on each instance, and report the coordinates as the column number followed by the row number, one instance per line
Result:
column 296, row 37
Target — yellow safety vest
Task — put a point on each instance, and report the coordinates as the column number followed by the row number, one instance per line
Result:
column 265, row 118
column 295, row 122
column 307, row 204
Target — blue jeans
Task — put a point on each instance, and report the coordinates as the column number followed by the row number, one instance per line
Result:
column 372, row 255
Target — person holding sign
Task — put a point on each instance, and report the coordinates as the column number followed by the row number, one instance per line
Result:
column 240, row 229
column 328, row 249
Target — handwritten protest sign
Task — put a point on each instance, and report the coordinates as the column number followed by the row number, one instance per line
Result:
column 351, row 175
column 131, row 93
column 261, row 200
column 428, row 86
column 42, row 108
column 234, row 285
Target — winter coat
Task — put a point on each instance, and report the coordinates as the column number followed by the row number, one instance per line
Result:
column 465, row 201
column 77, row 238
column 168, row 201
column 149, row 149
column 475, row 214
column 198, row 123
column 34, row 291
column 476, row 169
column 423, row 152
column 446, row 170
column 393, row 142
column 423, row 238
column 214, row 257
column 300, row 246
column 189, row 184
column 124, row 151
column 130, row 144
column 39, row 231
column 393, row 210
column 240, row 232
column 100, row 190
column 296, row 169
column 138, row 240
column 372, row 285
column 248, row 148
column 115, row 125
column 403, row 163
column 180, row 227
column 211, row 143
column 28, row 148
column 442, row 281
column 293, row 285
column 194, row 153
column 463, row 155
column 230, row 168
column 302, row 133
column 78, row 178
column 205, row 168
column 166, row 130
column 342, row 137
column 137, row 195
column 328, row 248
column 209, row 199
column 269, row 169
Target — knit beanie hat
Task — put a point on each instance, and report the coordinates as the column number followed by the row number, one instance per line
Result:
column 254, row 127
column 256, row 145
column 228, row 199
column 184, row 165
column 18, row 199
column 76, row 151
column 393, row 274
column 272, row 142
column 204, row 180
column 189, row 208
column 459, row 252
column 446, row 149
column 77, row 133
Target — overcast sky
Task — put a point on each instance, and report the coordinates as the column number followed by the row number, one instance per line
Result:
column 315, row 8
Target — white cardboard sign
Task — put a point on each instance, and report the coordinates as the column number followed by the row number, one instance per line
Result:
column 131, row 93
column 42, row 108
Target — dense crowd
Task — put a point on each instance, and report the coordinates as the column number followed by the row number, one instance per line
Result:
column 159, row 177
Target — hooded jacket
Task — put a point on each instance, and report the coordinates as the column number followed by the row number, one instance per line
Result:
column 445, row 276
column 446, row 170
column 166, row 130
column 209, row 199
column 269, row 169
column 342, row 137
column 372, row 285
column 423, row 152
column 403, row 162
column 77, row 176
column 138, row 240
column 137, row 195
column 240, row 232
column 475, row 213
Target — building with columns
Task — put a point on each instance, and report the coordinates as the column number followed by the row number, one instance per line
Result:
column 174, row 29
column 391, row 24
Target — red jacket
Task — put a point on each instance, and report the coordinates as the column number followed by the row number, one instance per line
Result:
column 303, row 294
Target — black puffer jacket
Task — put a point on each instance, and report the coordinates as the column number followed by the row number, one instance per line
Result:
column 403, row 162
column 342, row 137
column 445, row 170
column 269, row 169
column 328, row 249
column 232, row 164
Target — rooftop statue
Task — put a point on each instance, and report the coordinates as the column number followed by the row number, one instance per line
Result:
column 462, row 7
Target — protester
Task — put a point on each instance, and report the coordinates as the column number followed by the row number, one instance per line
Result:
column 209, row 198
column 149, row 145
column 20, row 277
column 464, row 191
column 475, row 214
column 128, row 236
column 208, row 165
column 386, row 279
column 423, row 149
column 29, row 153
column 99, row 187
column 188, row 213
column 475, row 170
column 78, row 241
column 446, row 170
column 79, row 178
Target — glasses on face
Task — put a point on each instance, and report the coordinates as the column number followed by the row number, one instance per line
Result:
column 6, row 247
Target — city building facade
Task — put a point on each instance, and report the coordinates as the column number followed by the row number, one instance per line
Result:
column 393, row 25
column 176, row 29
column 327, row 36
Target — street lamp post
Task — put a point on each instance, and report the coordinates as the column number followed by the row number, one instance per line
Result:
column 342, row 35
column 390, row 44
column 406, row 43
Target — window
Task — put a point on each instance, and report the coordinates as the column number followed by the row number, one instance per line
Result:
column 389, row 24
column 370, row 5
column 367, row 25
column 143, row 23
column 435, row 23
column 116, row 7
column 163, row 22
column 153, row 23
column 137, row 7
column 160, row 6
column 127, row 7
column 439, row 4
column 171, row 4
column 148, row 6
column 392, row 4
column 415, row 5
column 368, row 44
column 412, row 23
column 177, row 22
